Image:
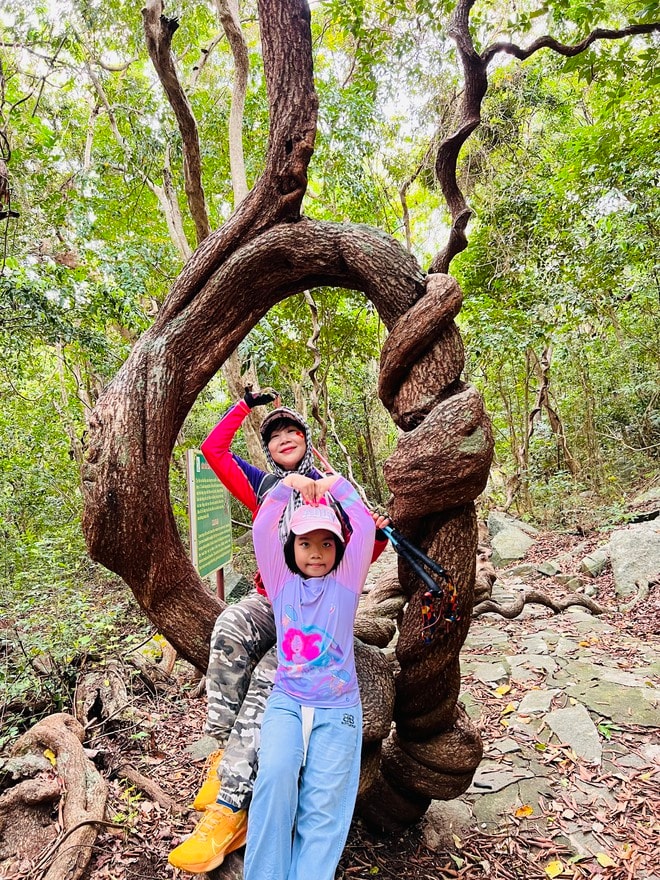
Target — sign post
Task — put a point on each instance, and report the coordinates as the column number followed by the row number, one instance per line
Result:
column 210, row 519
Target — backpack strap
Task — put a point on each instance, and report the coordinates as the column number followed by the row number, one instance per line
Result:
column 268, row 482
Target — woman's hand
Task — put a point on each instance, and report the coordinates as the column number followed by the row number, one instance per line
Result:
column 324, row 485
column 305, row 485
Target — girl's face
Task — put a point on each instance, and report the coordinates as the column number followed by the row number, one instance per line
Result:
column 315, row 552
column 287, row 447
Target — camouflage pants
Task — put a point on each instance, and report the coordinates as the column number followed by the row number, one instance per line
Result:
column 239, row 679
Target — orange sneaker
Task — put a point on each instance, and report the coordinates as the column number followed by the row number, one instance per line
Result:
column 208, row 793
column 220, row 831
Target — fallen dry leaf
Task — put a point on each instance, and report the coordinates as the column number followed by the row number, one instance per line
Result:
column 554, row 868
column 524, row 811
column 604, row 860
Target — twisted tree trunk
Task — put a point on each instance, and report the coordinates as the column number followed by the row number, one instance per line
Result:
column 264, row 253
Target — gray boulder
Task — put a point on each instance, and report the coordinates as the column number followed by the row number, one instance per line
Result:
column 509, row 545
column 594, row 563
column 498, row 522
column 635, row 557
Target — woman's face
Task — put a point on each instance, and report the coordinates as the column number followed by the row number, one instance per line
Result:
column 287, row 446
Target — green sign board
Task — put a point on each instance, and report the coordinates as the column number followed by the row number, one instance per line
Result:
column 210, row 518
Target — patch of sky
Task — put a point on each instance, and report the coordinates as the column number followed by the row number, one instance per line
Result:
column 612, row 202
column 81, row 292
column 223, row 207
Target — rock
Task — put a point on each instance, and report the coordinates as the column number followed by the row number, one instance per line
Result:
column 510, row 544
column 490, row 673
column 534, row 644
column 574, row 727
column 594, row 563
column 498, row 522
column 493, row 809
column 567, row 559
column 549, row 568
column 506, row 746
column 443, row 820
column 495, row 775
column 537, row 702
column 523, row 570
column 491, row 636
column 651, row 752
column 635, row 557
column 565, row 647
column 538, row 662
column 201, row 748
column 237, row 586
column 645, row 506
column 570, row 581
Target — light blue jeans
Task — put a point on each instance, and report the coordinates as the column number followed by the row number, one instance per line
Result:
column 300, row 815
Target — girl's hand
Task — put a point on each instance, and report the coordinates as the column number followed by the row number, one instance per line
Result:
column 305, row 485
column 381, row 520
column 324, row 485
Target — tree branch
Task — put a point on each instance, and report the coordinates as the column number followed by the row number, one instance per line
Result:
column 285, row 34
column 569, row 51
column 468, row 118
column 475, row 72
column 228, row 14
column 312, row 345
column 159, row 31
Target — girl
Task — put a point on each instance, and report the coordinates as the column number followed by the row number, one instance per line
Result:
column 309, row 761
column 241, row 666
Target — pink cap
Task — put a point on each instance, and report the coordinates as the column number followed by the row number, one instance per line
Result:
column 307, row 519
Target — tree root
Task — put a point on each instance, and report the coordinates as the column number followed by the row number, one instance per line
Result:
column 640, row 596
column 536, row 597
column 82, row 807
column 49, row 853
column 149, row 787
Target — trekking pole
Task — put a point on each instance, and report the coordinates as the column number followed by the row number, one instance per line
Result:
column 438, row 602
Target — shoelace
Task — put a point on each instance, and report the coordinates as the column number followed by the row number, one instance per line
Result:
column 208, row 823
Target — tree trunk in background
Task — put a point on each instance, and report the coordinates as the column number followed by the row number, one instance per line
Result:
column 372, row 464
column 236, row 382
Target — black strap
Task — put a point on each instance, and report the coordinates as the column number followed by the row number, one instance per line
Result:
column 268, row 482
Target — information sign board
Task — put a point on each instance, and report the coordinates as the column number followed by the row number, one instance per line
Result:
column 210, row 517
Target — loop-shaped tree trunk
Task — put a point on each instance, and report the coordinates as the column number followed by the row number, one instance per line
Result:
column 436, row 471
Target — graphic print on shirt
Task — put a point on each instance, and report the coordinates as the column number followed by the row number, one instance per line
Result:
column 301, row 647
column 309, row 645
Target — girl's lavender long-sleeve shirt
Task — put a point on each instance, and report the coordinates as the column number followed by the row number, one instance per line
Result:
column 314, row 616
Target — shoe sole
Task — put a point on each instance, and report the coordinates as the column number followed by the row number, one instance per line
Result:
column 201, row 867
